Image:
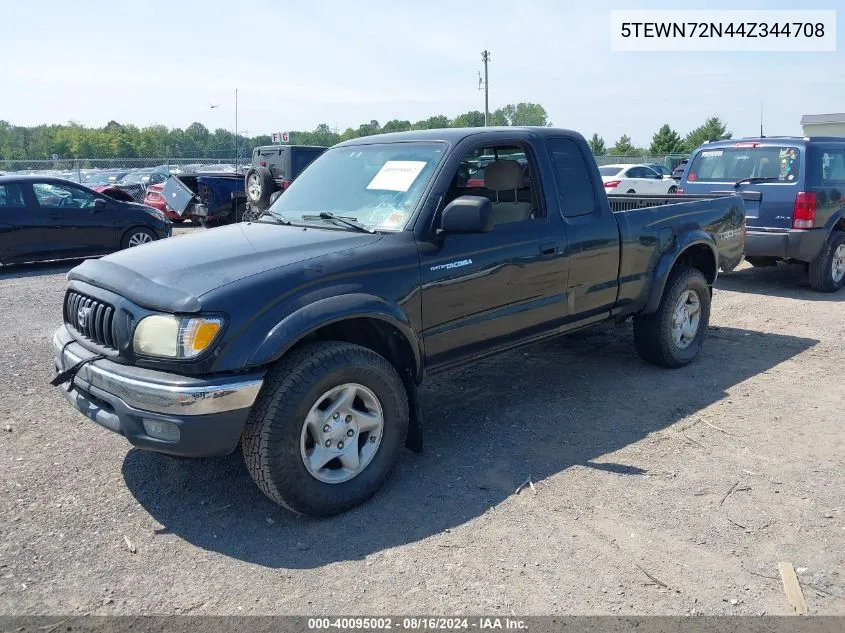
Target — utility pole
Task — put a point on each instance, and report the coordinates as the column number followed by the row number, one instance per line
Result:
column 485, row 57
column 236, row 130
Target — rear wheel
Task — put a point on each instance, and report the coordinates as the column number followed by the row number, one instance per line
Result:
column 672, row 336
column 827, row 271
column 137, row 237
column 326, row 429
column 630, row 191
column 673, row 189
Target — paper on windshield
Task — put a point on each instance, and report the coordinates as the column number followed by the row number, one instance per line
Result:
column 397, row 175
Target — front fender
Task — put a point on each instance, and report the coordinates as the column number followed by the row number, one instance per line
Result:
column 668, row 260
column 307, row 319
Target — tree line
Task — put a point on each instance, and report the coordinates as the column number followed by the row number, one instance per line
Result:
column 116, row 140
column 664, row 141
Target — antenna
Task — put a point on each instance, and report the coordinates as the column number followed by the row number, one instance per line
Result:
column 761, row 120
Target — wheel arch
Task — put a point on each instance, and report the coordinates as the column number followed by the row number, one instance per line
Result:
column 696, row 250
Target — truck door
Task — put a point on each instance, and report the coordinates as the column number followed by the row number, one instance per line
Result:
column 592, row 234
column 486, row 291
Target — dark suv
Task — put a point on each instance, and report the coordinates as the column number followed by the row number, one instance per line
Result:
column 798, row 213
column 273, row 168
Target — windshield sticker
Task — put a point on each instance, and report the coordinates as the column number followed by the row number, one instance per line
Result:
column 397, row 175
column 712, row 153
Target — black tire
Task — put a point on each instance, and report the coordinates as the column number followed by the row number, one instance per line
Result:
column 131, row 236
column 821, row 268
column 175, row 221
column 259, row 197
column 653, row 332
column 762, row 262
column 203, row 223
column 271, row 439
column 672, row 189
column 630, row 191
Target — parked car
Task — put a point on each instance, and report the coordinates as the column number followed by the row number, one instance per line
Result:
column 304, row 335
column 800, row 215
column 273, row 168
column 135, row 182
column 635, row 179
column 52, row 218
column 103, row 177
column 679, row 170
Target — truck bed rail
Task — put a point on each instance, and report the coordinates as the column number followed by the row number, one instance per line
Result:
column 626, row 202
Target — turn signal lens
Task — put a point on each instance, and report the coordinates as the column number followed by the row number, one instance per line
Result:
column 200, row 334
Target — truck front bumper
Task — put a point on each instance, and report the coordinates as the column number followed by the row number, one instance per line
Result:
column 802, row 245
column 158, row 411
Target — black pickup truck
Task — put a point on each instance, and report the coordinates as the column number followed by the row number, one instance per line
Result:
column 304, row 335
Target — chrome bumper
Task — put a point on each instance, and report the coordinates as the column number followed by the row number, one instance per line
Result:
column 158, row 392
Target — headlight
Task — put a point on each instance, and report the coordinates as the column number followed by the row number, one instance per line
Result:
column 175, row 337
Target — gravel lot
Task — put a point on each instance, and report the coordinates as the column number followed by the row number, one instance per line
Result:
column 631, row 465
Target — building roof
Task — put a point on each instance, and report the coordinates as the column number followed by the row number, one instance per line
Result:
column 810, row 119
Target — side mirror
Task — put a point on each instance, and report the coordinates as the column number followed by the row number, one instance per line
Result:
column 467, row 214
column 99, row 204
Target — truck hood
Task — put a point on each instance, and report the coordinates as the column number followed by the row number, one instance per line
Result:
column 172, row 274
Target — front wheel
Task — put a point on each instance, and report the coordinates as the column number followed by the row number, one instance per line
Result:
column 137, row 237
column 327, row 428
column 672, row 336
column 827, row 271
column 672, row 190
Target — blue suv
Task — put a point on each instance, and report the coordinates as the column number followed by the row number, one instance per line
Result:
column 798, row 212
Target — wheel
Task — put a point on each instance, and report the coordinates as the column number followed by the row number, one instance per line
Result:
column 762, row 262
column 137, row 236
column 326, row 429
column 630, row 191
column 259, row 185
column 672, row 190
column 203, row 223
column 827, row 271
column 177, row 220
column 672, row 336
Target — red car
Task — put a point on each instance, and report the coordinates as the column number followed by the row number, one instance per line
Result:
column 153, row 198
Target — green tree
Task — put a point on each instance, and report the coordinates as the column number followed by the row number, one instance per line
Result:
column 665, row 141
column 396, row 126
column 623, row 147
column 529, row 114
column 713, row 129
column 473, row 118
column 597, row 146
column 436, row 122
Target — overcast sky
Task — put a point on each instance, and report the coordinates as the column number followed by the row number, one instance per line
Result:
column 300, row 63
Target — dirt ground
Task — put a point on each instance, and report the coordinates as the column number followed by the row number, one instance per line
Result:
column 654, row 491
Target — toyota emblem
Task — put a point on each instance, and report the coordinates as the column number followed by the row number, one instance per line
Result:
column 82, row 315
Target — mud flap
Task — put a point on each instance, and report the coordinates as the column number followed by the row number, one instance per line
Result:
column 414, row 441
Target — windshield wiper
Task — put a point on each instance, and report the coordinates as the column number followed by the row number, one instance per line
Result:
column 278, row 218
column 748, row 181
column 328, row 215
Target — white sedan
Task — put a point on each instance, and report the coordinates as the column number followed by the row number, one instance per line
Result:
column 635, row 179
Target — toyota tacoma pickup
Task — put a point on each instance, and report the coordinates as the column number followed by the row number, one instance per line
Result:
column 303, row 335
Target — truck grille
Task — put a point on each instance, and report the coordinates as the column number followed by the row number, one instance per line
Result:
column 92, row 318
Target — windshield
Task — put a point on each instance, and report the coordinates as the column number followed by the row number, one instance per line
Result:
column 136, row 177
column 378, row 186
column 732, row 164
column 609, row 171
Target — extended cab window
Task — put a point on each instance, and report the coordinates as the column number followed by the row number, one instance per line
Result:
column 502, row 174
column 732, row 164
column 576, row 194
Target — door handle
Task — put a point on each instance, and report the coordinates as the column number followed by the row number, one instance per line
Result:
column 548, row 248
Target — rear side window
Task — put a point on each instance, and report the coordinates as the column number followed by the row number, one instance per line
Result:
column 11, row 197
column 575, row 192
column 828, row 167
column 609, row 171
column 302, row 158
column 731, row 164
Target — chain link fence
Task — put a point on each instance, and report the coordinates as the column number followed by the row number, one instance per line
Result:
column 77, row 168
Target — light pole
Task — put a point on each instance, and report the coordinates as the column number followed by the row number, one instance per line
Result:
column 485, row 57
column 236, row 130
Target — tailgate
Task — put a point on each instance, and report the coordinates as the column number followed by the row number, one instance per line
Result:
column 177, row 195
column 751, row 200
